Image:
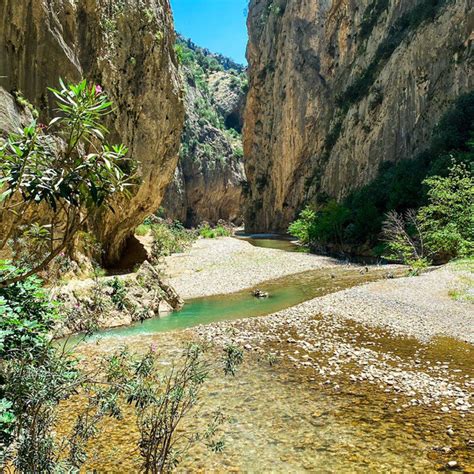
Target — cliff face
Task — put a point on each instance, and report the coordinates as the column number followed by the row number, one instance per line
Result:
column 208, row 180
column 338, row 87
column 125, row 46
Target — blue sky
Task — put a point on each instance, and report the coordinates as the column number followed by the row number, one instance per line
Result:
column 219, row 25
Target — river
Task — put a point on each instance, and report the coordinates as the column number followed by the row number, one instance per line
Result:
column 283, row 417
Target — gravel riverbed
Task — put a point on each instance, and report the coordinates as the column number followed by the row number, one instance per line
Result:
column 405, row 345
column 422, row 307
column 228, row 265
column 334, row 349
column 343, row 334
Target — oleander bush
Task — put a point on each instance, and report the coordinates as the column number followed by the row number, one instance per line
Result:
column 54, row 177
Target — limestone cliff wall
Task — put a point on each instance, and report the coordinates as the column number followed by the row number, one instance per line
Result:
column 338, row 87
column 208, row 181
column 127, row 47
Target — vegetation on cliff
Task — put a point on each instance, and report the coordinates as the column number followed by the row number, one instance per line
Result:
column 210, row 169
column 338, row 88
column 437, row 178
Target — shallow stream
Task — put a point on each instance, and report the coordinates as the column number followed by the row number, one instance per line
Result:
column 283, row 418
column 283, row 293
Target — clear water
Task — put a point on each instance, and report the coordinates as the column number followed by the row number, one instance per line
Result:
column 284, row 292
column 280, row 418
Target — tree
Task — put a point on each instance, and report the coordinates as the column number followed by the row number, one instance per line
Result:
column 300, row 227
column 405, row 240
column 441, row 230
column 53, row 177
column 448, row 218
column 329, row 224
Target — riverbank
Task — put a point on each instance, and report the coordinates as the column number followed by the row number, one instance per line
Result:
column 227, row 265
column 422, row 307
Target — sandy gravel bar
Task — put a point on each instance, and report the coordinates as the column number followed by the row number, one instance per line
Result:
column 227, row 265
column 421, row 306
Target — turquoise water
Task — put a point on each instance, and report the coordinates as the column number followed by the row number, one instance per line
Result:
column 284, row 292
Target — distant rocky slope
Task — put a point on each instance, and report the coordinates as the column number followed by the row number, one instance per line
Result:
column 127, row 47
column 210, row 173
column 338, row 87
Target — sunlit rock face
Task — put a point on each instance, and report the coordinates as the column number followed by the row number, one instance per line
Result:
column 208, row 180
column 338, row 87
column 125, row 46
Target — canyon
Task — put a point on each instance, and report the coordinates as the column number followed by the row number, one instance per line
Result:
column 177, row 326
column 339, row 87
column 335, row 90
column 207, row 186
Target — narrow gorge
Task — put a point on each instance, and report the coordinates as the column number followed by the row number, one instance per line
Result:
column 208, row 180
column 236, row 236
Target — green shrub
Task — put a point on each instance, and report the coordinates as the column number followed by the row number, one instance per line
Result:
column 300, row 227
column 142, row 230
column 222, row 231
column 26, row 315
column 328, row 225
column 441, row 230
column 448, row 218
column 207, row 232
column 119, row 293
column 321, row 227
column 35, row 377
column 405, row 241
column 238, row 153
column 169, row 238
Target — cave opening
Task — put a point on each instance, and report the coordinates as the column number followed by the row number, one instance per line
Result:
column 234, row 120
column 134, row 253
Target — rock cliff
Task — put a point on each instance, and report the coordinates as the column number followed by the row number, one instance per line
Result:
column 338, row 87
column 208, row 180
column 127, row 47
